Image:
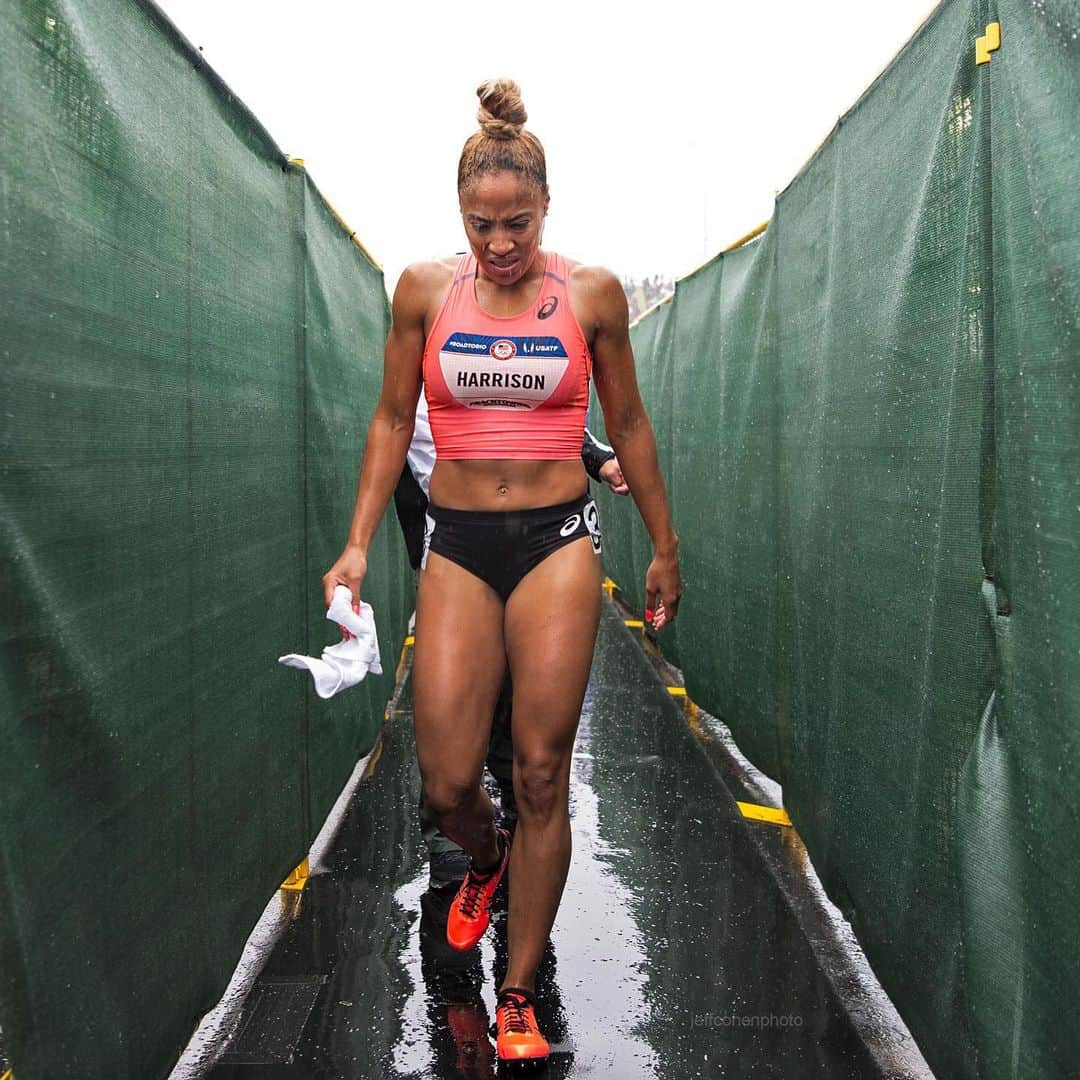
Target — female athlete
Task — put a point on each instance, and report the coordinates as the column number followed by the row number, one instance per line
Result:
column 504, row 341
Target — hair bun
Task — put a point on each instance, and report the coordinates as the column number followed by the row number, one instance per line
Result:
column 502, row 113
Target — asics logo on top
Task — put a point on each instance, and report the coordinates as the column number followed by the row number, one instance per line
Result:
column 548, row 308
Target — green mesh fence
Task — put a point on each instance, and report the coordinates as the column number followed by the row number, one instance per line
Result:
column 191, row 348
column 870, row 424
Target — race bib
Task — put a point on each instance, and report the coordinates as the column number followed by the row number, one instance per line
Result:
column 513, row 373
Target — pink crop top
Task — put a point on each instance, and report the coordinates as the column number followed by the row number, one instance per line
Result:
column 515, row 387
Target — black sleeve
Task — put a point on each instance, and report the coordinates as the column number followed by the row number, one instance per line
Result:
column 594, row 454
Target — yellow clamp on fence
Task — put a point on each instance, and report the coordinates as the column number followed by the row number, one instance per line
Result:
column 296, row 881
column 768, row 814
column 9, row 1075
column 608, row 586
column 988, row 43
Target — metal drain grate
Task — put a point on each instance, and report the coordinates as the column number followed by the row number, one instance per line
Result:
column 273, row 1020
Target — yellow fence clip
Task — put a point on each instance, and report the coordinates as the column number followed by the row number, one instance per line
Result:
column 988, row 43
column 8, row 1075
column 297, row 161
column 764, row 813
column 410, row 640
column 677, row 691
column 634, row 624
column 296, row 881
column 608, row 586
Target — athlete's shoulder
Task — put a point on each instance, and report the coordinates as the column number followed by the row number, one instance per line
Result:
column 427, row 277
column 421, row 284
column 598, row 291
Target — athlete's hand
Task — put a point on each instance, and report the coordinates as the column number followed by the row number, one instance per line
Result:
column 663, row 590
column 349, row 570
column 612, row 475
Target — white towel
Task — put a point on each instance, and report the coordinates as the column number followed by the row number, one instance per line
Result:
column 346, row 663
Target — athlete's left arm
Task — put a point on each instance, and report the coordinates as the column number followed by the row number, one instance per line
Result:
column 627, row 425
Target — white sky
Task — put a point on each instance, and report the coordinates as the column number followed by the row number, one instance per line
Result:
column 668, row 126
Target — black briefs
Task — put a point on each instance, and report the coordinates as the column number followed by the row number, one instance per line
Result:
column 501, row 546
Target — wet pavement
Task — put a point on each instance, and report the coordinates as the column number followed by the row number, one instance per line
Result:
column 675, row 953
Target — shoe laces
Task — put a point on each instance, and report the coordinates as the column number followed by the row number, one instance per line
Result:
column 518, row 1014
column 472, row 894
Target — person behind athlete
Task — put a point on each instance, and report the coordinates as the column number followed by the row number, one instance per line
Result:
column 505, row 341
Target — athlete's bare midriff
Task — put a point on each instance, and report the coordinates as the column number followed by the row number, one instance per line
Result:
column 483, row 484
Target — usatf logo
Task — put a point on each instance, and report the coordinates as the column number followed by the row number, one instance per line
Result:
column 503, row 349
column 550, row 304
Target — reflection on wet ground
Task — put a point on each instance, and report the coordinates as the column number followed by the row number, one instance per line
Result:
column 674, row 954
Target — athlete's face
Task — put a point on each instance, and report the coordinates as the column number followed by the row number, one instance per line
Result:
column 504, row 220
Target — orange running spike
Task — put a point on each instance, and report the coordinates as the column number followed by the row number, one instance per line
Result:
column 470, row 910
column 519, row 1038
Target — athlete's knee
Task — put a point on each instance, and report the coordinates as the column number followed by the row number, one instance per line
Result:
column 540, row 787
column 446, row 798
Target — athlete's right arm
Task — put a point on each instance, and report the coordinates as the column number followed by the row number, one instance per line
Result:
column 391, row 427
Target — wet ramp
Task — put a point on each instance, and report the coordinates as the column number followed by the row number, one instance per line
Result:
column 675, row 952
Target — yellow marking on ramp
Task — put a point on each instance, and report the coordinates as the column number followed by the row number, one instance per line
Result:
column 767, row 814
column 693, row 717
column 374, row 760
column 296, row 881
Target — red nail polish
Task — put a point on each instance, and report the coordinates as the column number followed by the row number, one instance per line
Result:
column 648, row 615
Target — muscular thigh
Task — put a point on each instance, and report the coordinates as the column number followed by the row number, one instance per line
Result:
column 551, row 620
column 458, row 664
